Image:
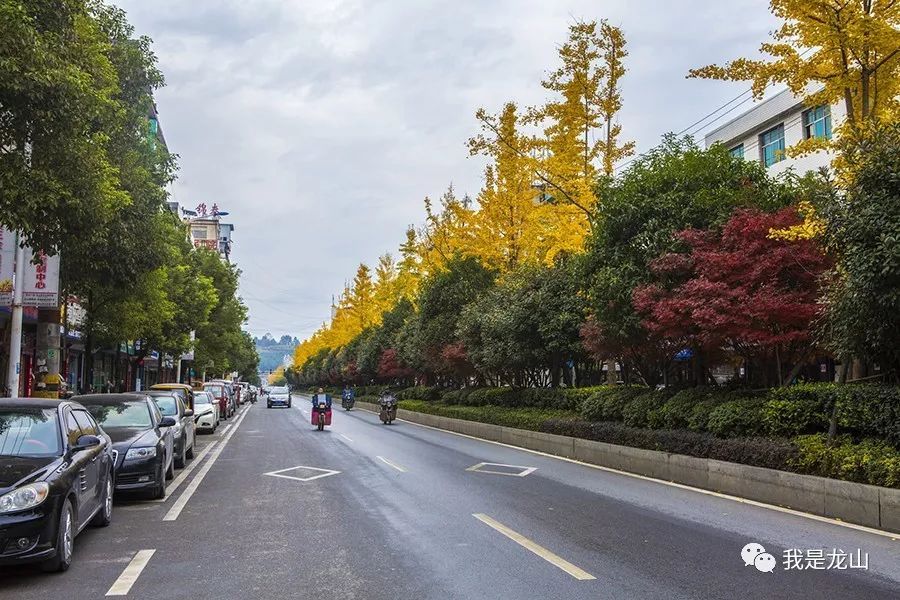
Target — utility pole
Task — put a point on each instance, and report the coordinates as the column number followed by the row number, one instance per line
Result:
column 15, row 336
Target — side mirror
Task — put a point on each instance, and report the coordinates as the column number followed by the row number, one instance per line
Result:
column 85, row 442
column 189, row 413
column 167, row 422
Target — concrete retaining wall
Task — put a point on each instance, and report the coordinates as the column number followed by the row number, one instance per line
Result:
column 858, row 503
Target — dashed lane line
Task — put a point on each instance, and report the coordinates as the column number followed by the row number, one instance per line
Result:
column 391, row 464
column 130, row 575
column 531, row 546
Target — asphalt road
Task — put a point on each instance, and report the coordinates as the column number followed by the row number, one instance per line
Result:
column 410, row 514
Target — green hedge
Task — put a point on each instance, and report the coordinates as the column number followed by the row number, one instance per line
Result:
column 870, row 461
column 523, row 418
column 607, row 403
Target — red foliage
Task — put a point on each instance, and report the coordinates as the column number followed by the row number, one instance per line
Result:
column 736, row 287
column 390, row 367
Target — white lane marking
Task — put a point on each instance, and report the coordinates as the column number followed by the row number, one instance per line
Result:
column 195, row 483
column 226, row 428
column 323, row 473
column 523, row 471
column 123, row 584
column 391, row 464
column 523, row 541
column 183, row 475
column 345, row 437
column 781, row 509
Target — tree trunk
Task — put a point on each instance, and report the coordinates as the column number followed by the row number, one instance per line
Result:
column 832, row 420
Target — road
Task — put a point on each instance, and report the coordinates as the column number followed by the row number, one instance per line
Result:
column 410, row 514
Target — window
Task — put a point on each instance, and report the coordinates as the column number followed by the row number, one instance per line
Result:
column 28, row 432
column 817, row 122
column 85, row 422
column 73, row 431
column 198, row 233
column 771, row 146
column 737, row 151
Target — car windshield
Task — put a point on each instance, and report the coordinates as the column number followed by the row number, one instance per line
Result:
column 168, row 405
column 214, row 389
column 202, row 398
column 278, row 391
column 29, row 432
column 126, row 414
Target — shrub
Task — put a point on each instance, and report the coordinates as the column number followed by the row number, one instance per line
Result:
column 737, row 417
column 759, row 452
column 637, row 411
column 523, row 418
column 870, row 461
column 674, row 413
column 457, row 396
column 607, row 403
column 796, row 409
column 420, row 392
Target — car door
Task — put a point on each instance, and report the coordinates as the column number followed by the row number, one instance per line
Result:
column 94, row 464
column 187, row 423
column 82, row 465
column 165, row 433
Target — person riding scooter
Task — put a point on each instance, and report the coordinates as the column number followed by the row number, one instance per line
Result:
column 320, row 415
column 348, row 398
column 388, row 404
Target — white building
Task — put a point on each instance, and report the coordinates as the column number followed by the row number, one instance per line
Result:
column 766, row 130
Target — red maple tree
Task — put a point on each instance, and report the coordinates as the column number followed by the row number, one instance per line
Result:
column 390, row 367
column 738, row 289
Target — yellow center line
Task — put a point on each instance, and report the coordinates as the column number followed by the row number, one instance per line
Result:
column 123, row 584
column 523, row 541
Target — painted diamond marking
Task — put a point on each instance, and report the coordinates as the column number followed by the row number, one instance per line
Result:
column 318, row 473
column 501, row 469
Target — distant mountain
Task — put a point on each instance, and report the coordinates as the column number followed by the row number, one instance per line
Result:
column 272, row 351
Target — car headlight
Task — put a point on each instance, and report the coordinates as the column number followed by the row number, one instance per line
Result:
column 139, row 453
column 27, row 496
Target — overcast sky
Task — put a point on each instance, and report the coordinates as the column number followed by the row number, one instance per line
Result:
column 320, row 125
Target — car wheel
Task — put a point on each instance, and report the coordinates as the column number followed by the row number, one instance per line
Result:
column 289, row 404
column 269, row 405
column 190, row 453
column 160, row 491
column 170, row 471
column 65, row 541
column 104, row 517
column 181, row 459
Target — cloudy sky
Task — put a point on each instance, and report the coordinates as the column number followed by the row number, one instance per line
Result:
column 320, row 125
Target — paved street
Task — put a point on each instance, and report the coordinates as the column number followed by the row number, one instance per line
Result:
column 411, row 514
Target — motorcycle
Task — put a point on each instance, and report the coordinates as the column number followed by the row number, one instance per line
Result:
column 388, row 409
column 321, row 415
column 347, row 401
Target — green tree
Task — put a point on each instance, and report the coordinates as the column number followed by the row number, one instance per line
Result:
column 862, row 232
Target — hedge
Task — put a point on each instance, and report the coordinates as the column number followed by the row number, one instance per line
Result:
column 759, row 452
column 607, row 403
column 870, row 461
column 522, row 418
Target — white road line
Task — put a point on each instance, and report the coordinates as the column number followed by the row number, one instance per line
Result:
column 523, row 541
column 131, row 573
column 195, row 483
column 226, row 428
column 345, row 437
column 390, row 464
column 183, row 475
column 781, row 509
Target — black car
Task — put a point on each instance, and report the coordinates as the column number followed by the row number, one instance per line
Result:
column 142, row 438
column 171, row 404
column 56, row 477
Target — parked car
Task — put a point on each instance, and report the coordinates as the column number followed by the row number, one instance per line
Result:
column 220, row 393
column 56, row 477
column 186, row 391
column 206, row 412
column 142, row 437
column 278, row 396
column 232, row 393
column 170, row 404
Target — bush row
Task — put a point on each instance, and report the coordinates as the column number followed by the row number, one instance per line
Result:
column 862, row 410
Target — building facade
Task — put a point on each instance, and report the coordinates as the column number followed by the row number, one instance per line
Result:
column 764, row 132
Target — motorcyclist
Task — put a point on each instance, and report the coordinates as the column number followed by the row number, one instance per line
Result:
column 320, row 394
column 347, row 394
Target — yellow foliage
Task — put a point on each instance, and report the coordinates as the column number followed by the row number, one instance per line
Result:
column 811, row 226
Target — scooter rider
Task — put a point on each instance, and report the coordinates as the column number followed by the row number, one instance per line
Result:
column 321, row 395
column 347, row 397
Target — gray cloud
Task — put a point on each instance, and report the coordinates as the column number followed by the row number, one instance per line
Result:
column 321, row 125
